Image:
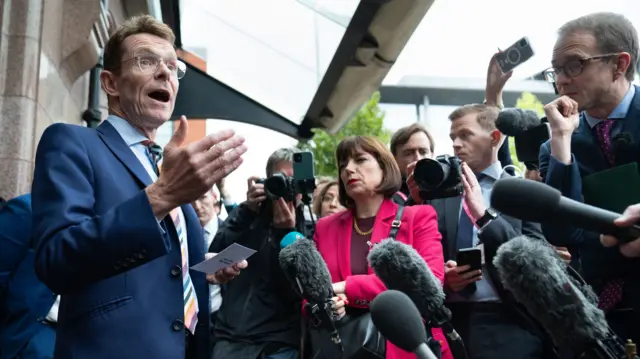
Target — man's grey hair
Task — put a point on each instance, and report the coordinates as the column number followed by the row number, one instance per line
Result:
column 614, row 33
column 281, row 155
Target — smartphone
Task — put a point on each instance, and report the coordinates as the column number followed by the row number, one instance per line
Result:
column 303, row 166
column 515, row 55
column 471, row 257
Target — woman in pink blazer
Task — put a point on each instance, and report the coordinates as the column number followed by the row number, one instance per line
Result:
column 368, row 177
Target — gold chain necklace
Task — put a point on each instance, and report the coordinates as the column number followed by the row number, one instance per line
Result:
column 360, row 232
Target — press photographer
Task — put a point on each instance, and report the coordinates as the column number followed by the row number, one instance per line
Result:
column 490, row 323
column 260, row 314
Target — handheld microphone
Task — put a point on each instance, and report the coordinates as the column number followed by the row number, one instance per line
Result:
column 398, row 320
column 304, row 266
column 290, row 238
column 533, row 272
column 536, row 202
column 302, row 263
column 401, row 268
column 514, row 121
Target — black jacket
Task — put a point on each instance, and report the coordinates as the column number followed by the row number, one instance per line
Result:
column 259, row 306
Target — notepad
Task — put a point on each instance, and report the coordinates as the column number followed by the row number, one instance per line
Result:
column 231, row 255
column 614, row 189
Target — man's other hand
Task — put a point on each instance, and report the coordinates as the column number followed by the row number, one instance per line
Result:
column 630, row 217
column 224, row 275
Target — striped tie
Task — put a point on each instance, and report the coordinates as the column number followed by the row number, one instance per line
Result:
column 188, row 290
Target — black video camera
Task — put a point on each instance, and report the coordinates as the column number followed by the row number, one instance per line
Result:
column 439, row 178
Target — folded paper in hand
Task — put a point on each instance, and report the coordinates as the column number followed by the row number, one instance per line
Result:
column 231, row 255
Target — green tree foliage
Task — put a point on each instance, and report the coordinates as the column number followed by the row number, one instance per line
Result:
column 367, row 122
column 526, row 101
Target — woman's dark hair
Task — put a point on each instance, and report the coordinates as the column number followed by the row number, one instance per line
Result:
column 350, row 147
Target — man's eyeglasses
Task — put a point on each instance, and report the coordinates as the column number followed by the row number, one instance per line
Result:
column 149, row 64
column 572, row 68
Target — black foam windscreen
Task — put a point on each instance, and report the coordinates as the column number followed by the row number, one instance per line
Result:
column 397, row 318
column 525, row 199
column 303, row 264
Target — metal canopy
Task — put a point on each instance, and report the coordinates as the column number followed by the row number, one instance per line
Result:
column 202, row 96
column 412, row 90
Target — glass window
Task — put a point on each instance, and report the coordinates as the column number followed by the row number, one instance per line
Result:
column 277, row 58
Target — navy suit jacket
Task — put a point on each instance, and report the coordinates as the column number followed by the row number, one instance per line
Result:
column 101, row 247
column 23, row 298
column 598, row 264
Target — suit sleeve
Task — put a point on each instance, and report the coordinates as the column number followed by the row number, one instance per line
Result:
column 566, row 179
column 76, row 246
column 499, row 231
column 426, row 241
column 15, row 230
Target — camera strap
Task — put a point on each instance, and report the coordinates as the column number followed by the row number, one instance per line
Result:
column 395, row 225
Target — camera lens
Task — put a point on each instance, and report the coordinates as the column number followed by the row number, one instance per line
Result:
column 297, row 157
column 513, row 56
column 429, row 174
column 523, row 43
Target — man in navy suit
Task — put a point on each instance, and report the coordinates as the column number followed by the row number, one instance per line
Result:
column 594, row 63
column 115, row 238
column 27, row 311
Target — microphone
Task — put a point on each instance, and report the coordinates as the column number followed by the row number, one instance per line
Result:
column 536, row 202
column 401, row 268
column 566, row 307
column 304, row 266
column 623, row 148
column 398, row 320
column 290, row 238
column 514, row 121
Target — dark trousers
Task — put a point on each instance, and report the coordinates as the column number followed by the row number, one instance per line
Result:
column 226, row 349
column 490, row 331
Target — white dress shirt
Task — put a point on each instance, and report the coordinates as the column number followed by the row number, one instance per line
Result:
column 215, row 296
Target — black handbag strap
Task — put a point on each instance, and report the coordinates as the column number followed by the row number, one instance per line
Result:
column 397, row 222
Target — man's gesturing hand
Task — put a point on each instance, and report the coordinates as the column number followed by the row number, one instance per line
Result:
column 189, row 171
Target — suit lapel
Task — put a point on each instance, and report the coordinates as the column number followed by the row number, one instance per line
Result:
column 119, row 148
column 632, row 121
column 584, row 141
column 452, row 216
column 343, row 239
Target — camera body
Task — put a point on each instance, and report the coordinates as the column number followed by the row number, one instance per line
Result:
column 439, row 178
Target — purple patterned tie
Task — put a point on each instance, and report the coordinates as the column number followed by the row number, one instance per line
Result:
column 603, row 130
column 612, row 292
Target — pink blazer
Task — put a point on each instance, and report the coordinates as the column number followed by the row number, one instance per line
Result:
column 419, row 229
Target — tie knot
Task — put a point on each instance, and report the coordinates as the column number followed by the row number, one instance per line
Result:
column 605, row 126
column 153, row 148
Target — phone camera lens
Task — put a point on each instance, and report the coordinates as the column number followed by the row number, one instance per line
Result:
column 297, row 157
column 523, row 43
column 513, row 56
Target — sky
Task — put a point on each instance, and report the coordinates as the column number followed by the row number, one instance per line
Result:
column 276, row 51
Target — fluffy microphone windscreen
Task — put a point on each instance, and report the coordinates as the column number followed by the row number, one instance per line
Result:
column 397, row 318
column 536, row 276
column 525, row 199
column 302, row 262
column 514, row 121
column 400, row 267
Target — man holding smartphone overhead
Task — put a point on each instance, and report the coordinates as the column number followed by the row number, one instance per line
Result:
column 472, row 233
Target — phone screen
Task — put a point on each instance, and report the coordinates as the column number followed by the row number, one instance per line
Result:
column 471, row 257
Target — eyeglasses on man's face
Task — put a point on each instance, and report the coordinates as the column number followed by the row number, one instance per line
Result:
column 149, row 64
column 572, row 68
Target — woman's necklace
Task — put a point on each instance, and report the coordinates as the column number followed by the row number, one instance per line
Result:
column 360, row 232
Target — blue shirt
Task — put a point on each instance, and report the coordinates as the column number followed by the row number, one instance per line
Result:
column 618, row 113
column 486, row 291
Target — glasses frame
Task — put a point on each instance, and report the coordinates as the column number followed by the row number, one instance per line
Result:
column 180, row 65
column 550, row 73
